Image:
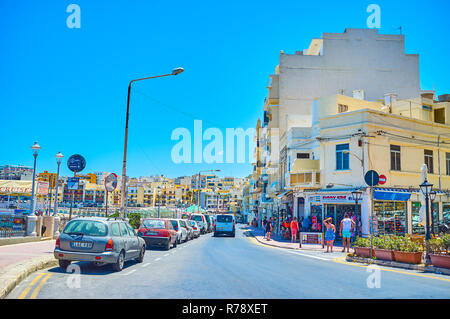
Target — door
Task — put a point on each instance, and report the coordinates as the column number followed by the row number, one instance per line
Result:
column 126, row 243
column 134, row 241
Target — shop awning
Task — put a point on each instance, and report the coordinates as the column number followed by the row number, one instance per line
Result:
column 282, row 194
column 391, row 194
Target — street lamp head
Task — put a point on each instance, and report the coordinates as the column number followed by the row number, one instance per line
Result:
column 432, row 195
column 426, row 187
column 357, row 195
column 59, row 157
column 35, row 148
column 177, row 71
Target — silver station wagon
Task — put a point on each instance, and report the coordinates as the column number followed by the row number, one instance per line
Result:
column 99, row 240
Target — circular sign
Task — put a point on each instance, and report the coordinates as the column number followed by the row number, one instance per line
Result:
column 76, row 163
column 372, row 178
column 111, row 182
column 382, row 180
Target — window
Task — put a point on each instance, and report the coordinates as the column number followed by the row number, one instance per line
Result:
column 342, row 108
column 429, row 160
column 302, row 155
column 395, row 158
column 342, row 157
column 86, row 227
column 115, row 229
column 123, row 229
column 130, row 230
column 447, row 162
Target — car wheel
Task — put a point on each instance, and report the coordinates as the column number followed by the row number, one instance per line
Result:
column 141, row 255
column 118, row 265
column 233, row 235
column 63, row 264
column 168, row 245
column 175, row 243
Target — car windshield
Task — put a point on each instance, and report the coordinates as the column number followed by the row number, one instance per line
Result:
column 86, row 227
column 174, row 224
column 154, row 223
column 224, row 219
column 197, row 218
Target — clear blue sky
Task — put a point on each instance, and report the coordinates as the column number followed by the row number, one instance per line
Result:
column 67, row 88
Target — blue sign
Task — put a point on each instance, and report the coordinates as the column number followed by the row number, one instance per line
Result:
column 72, row 183
column 76, row 163
column 372, row 178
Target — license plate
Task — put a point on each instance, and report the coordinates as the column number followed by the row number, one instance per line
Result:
column 81, row 244
column 219, row 228
column 151, row 233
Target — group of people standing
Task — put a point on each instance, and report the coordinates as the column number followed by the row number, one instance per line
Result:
column 293, row 227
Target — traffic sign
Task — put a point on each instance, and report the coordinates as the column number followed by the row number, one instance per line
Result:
column 372, row 178
column 382, row 180
column 76, row 163
column 111, row 182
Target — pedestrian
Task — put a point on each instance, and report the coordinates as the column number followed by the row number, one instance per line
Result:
column 345, row 230
column 294, row 230
column 330, row 233
column 264, row 225
column 306, row 223
column 269, row 228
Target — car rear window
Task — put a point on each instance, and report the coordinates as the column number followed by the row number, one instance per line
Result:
column 86, row 227
column 224, row 219
column 115, row 229
column 197, row 218
column 154, row 223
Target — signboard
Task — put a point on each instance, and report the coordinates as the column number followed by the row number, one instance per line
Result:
column 312, row 238
column 332, row 198
column 372, row 178
column 76, row 163
column 111, row 182
column 43, row 188
column 72, row 183
column 382, row 180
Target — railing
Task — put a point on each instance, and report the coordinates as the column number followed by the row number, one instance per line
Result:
column 12, row 233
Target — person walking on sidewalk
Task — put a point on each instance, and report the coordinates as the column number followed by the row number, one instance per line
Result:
column 330, row 233
column 346, row 229
column 294, row 230
column 264, row 225
column 269, row 228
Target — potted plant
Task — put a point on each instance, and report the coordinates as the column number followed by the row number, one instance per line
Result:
column 383, row 247
column 440, row 248
column 362, row 247
column 406, row 250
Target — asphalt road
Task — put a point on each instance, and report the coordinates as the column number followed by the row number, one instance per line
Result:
column 240, row 267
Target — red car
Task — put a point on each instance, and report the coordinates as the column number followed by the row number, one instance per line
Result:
column 158, row 232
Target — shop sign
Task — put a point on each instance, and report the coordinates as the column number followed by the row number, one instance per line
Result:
column 338, row 198
column 43, row 188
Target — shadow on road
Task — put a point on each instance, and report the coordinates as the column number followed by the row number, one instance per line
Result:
column 89, row 268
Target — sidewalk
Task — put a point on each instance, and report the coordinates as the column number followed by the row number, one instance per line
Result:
column 279, row 242
column 17, row 261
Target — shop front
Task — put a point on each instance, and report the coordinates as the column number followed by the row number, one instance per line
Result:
column 390, row 211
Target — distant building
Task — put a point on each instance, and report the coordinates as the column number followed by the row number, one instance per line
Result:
column 16, row 172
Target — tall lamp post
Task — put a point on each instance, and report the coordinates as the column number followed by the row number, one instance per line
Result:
column 124, row 168
column 35, row 149
column 59, row 157
column 159, row 203
column 356, row 195
column 432, row 198
column 426, row 187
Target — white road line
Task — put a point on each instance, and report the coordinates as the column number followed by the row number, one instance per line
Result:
column 157, row 259
column 145, row 265
column 166, row 255
column 129, row 273
column 309, row 256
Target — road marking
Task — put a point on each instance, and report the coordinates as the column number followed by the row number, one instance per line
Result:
column 130, row 272
column 157, row 259
column 145, row 265
column 166, row 255
column 35, row 280
column 341, row 260
column 38, row 288
column 306, row 255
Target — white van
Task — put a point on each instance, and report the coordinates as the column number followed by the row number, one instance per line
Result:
column 225, row 224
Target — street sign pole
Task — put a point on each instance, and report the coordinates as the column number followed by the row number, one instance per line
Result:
column 73, row 195
column 106, row 209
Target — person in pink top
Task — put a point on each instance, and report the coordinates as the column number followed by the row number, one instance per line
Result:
column 294, row 230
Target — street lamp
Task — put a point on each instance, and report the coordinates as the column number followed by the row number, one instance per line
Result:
column 426, row 190
column 175, row 71
column 159, row 203
column 59, row 157
column 432, row 198
column 356, row 195
column 35, row 149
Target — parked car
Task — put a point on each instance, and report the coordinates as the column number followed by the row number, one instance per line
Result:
column 190, row 231
column 225, row 224
column 158, row 232
column 99, row 240
column 209, row 223
column 195, row 228
column 181, row 231
column 201, row 220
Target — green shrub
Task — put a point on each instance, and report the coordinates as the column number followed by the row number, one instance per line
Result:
column 383, row 242
column 446, row 243
column 405, row 244
column 436, row 245
column 361, row 242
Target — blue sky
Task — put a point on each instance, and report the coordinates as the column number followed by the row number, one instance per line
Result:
column 67, row 88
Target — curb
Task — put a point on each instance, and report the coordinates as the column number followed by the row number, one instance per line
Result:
column 268, row 244
column 395, row 264
column 14, row 274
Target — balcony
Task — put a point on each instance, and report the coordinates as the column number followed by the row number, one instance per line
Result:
column 305, row 173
